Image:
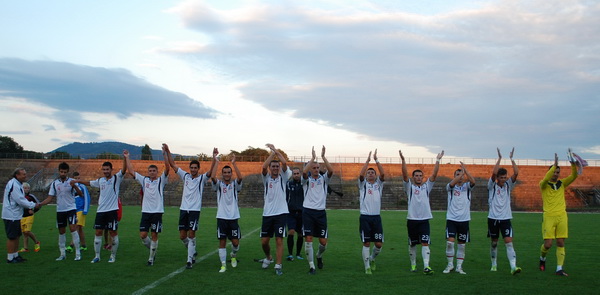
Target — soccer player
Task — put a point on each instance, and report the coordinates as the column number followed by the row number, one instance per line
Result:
column 152, row 203
column 83, row 206
column 499, row 188
column 419, row 212
column 458, row 216
column 191, row 202
column 314, row 216
column 295, row 198
column 12, row 211
column 27, row 222
column 371, row 228
column 555, row 222
column 275, row 175
column 108, row 207
column 65, row 189
column 228, row 212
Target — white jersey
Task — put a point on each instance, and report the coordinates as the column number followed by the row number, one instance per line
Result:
column 14, row 201
column 418, row 200
column 459, row 202
column 227, row 199
column 370, row 196
column 499, row 199
column 191, row 199
column 275, row 192
column 154, row 193
column 315, row 192
column 109, row 192
column 65, row 194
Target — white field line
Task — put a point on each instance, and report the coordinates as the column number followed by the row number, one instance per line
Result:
column 180, row 270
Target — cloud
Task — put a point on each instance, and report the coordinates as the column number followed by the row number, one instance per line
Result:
column 508, row 73
column 48, row 127
column 79, row 88
column 14, row 132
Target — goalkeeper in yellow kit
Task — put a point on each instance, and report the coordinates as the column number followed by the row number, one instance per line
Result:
column 555, row 222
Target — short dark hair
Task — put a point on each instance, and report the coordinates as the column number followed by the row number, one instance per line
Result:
column 192, row 162
column 107, row 164
column 502, row 171
column 75, row 173
column 17, row 171
column 372, row 169
column 63, row 166
column 153, row 166
column 273, row 161
column 226, row 167
column 418, row 170
column 557, row 167
column 457, row 170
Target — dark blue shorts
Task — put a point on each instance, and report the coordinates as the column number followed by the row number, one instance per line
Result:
column 314, row 223
column 273, row 225
column 189, row 220
column 458, row 230
column 228, row 229
column 294, row 221
column 13, row 229
column 418, row 232
column 495, row 227
column 371, row 228
column 63, row 219
column 151, row 222
column 107, row 220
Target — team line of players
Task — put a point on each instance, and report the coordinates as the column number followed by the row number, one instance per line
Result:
column 294, row 199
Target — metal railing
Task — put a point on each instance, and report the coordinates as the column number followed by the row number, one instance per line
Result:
column 304, row 159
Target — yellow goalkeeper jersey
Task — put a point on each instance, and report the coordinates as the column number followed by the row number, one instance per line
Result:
column 553, row 193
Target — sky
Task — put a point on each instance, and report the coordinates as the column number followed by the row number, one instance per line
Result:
column 465, row 77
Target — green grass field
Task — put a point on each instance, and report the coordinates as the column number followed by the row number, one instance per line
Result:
column 343, row 272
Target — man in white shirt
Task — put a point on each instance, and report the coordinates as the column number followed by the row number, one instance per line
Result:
column 499, row 218
column 314, row 216
column 458, row 216
column 12, row 211
column 191, row 202
column 419, row 212
column 153, row 187
column 275, row 176
column 65, row 190
column 107, row 216
column 228, row 211
column 371, row 228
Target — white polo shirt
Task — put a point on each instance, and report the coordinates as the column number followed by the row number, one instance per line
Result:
column 109, row 192
column 370, row 196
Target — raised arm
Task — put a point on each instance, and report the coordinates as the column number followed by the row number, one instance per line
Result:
column 282, row 159
column 124, row 169
column 404, row 170
column 265, row 166
column 436, row 168
column 127, row 163
column 514, row 166
column 170, row 158
column 363, row 170
column 166, row 159
column 550, row 172
column 308, row 166
column 470, row 178
column 213, row 169
column 84, row 182
column 238, row 173
column 379, row 167
column 213, row 163
column 497, row 166
column 329, row 167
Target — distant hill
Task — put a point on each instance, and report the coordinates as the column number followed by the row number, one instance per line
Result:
column 91, row 149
